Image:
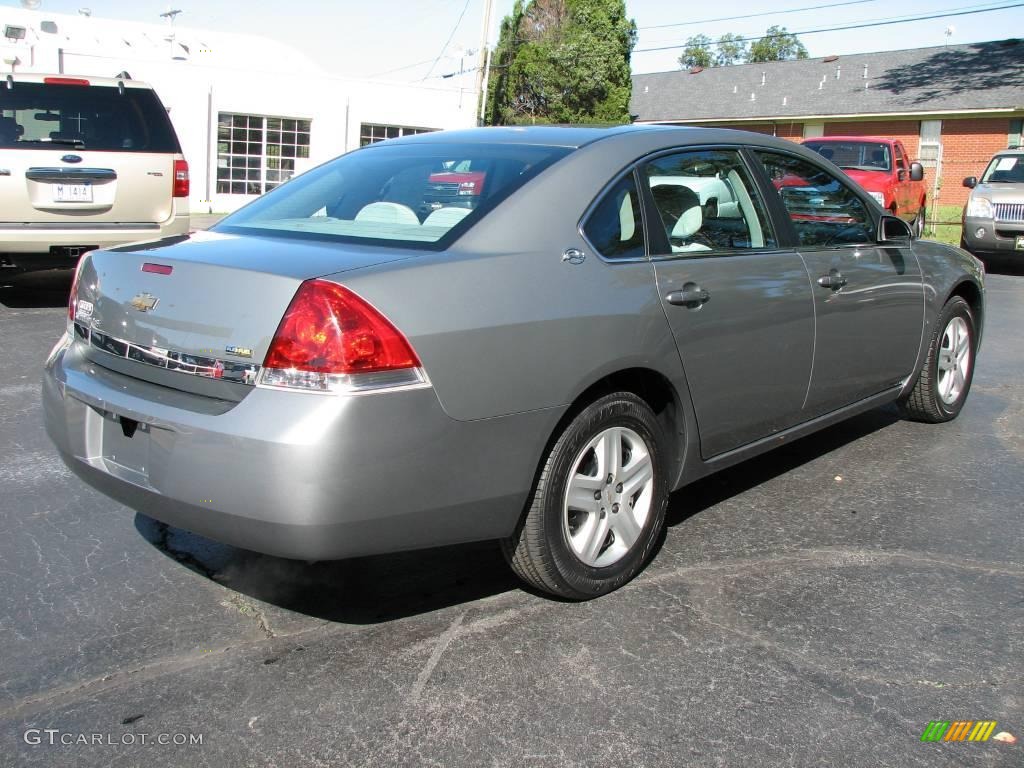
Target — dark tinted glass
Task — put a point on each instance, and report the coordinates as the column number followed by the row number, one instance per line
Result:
column 39, row 115
column 615, row 227
column 421, row 195
column 824, row 211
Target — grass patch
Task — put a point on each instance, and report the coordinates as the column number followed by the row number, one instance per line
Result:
column 943, row 224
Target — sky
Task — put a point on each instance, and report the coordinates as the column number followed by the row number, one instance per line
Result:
column 408, row 40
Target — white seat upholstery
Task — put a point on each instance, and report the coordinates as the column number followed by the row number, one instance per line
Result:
column 446, row 217
column 387, row 213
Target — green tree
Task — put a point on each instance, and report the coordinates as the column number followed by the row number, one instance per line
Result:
column 730, row 50
column 697, row 52
column 562, row 61
column 777, row 45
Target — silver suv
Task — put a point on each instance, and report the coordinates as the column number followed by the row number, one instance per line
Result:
column 994, row 215
column 85, row 163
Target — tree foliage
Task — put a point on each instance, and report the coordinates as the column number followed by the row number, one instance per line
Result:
column 730, row 50
column 562, row 61
column 697, row 52
column 777, row 45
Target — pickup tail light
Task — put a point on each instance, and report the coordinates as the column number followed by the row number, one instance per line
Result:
column 181, row 178
column 331, row 340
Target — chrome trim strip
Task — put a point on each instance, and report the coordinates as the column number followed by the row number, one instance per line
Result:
column 132, row 225
column 1011, row 213
column 71, row 174
column 171, row 360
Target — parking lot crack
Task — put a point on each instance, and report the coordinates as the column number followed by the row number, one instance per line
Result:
column 250, row 610
column 163, row 543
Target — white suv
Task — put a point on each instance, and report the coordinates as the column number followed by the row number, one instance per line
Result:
column 84, row 163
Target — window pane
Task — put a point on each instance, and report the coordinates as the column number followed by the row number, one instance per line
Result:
column 706, row 202
column 824, row 211
column 615, row 228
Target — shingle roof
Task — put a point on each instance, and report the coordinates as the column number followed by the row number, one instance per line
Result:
column 958, row 77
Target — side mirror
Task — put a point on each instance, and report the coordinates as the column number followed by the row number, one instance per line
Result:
column 893, row 230
column 916, row 172
column 971, row 182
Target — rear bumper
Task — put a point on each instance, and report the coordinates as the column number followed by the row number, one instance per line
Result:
column 294, row 474
column 28, row 246
column 996, row 238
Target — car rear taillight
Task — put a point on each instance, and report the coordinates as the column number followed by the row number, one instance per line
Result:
column 73, row 295
column 331, row 340
column 181, row 178
column 65, row 81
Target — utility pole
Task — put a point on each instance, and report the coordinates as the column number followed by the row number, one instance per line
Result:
column 483, row 68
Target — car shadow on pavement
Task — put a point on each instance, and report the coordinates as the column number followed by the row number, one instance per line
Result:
column 364, row 590
column 375, row 589
column 735, row 480
column 35, row 290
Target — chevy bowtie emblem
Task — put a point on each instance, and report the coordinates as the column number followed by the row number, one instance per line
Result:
column 144, row 302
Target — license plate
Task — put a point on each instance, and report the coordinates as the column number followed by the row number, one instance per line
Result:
column 72, row 193
column 1019, row 244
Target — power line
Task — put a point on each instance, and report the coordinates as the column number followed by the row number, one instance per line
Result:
column 850, row 26
column 399, row 69
column 446, row 42
column 754, row 15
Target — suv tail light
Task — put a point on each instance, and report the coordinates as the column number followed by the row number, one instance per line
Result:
column 331, row 340
column 181, row 178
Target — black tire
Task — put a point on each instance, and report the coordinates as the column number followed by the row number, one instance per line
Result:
column 539, row 551
column 918, row 225
column 924, row 403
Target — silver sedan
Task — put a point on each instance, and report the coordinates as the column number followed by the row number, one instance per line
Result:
column 532, row 335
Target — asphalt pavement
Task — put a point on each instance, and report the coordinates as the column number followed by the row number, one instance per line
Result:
column 817, row 606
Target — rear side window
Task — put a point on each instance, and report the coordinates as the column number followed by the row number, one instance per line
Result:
column 421, row 195
column 615, row 227
column 41, row 115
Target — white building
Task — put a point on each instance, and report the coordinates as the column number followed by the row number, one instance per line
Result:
column 250, row 112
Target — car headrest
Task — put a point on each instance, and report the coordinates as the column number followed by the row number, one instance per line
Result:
column 680, row 209
column 384, row 212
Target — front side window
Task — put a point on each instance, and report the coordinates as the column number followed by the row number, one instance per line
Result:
column 824, row 211
column 615, row 226
column 255, row 153
column 706, row 202
column 415, row 194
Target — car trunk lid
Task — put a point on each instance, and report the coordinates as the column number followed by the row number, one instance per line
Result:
column 206, row 305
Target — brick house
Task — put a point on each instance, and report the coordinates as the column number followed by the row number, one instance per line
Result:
column 952, row 106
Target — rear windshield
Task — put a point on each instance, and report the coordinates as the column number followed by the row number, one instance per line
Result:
column 41, row 115
column 421, row 195
column 855, row 155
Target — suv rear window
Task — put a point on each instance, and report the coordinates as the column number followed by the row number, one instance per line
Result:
column 40, row 115
column 421, row 195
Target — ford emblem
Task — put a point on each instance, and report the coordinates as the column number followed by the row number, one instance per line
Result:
column 72, row 159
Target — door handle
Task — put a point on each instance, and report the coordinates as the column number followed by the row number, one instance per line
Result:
column 834, row 280
column 692, row 295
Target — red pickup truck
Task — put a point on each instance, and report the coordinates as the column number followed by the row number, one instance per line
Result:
column 883, row 168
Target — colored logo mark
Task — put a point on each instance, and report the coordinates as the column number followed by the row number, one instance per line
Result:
column 958, row 730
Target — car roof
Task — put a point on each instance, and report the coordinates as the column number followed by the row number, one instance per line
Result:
column 881, row 139
column 111, row 82
column 578, row 136
column 1003, row 152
